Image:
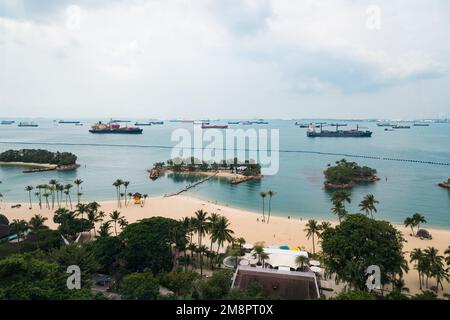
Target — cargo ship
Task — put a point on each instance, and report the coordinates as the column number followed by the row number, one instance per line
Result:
column 397, row 126
column 216, row 126
column 68, row 122
column 354, row 133
column 28, row 124
column 421, row 124
column 384, row 124
column 143, row 124
column 114, row 128
column 7, row 122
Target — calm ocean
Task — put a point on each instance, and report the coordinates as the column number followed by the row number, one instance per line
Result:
column 405, row 187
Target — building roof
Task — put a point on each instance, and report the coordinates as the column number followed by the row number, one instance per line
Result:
column 291, row 285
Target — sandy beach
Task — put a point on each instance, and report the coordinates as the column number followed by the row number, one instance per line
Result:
column 29, row 164
column 280, row 230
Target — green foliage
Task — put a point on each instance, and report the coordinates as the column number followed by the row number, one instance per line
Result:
column 148, row 244
column 216, row 287
column 427, row 295
column 345, row 172
column 359, row 242
column 355, row 295
column 106, row 251
column 30, row 276
column 180, row 282
column 255, row 291
column 38, row 156
column 139, row 286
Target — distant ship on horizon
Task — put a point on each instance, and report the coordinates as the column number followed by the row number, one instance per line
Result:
column 353, row 133
column 114, row 128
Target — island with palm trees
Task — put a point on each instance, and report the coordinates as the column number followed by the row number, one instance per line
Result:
column 344, row 174
column 234, row 170
column 39, row 160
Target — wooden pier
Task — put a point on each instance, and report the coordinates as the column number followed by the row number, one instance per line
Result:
column 185, row 189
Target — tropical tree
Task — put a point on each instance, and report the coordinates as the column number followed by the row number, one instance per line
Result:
column 29, row 189
column 104, row 229
column 222, row 233
column 418, row 256
column 52, row 183
column 117, row 184
column 339, row 210
column 67, row 188
column 418, row 219
column 115, row 217
column 46, row 195
column 312, row 229
column 341, row 196
column 259, row 249
column 324, row 226
column 264, row 256
column 78, row 182
column 241, row 241
column 263, row 196
column 368, row 205
column 270, row 193
column 201, row 224
column 81, row 209
column 19, row 227
column 411, row 223
column 145, row 196
column 302, row 262
column 447, row 258
column 37, row 222
column 201, row 250
column 126, row 184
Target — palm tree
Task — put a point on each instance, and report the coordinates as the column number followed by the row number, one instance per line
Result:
column 52, row 188
column 263, row 196
column 92, row 217
column 417, row 256
column 46, row 195
column 241, row 241
column 201, row 224
column 325, row 225
column 118, row 183
column 312, row 229
column 264, row 256
column 37, row 222
column 447, row 258
column 213, row 220
column 126, row 184
column 39, row 188
column 235, row 253
column 270, row 193
column 67, row 188
column 259, row 249
column 339, row 210
column 78, row 182
column 145, row 196
column 201, row 250
column 368, row 205
column 104, row 229
column 341, row 196
column 440, row 273
column 59, row 192
column 433, row 262
column 82, row 208
column 419, row 218
column 19, row 227
column 409, row 222
column 115, row 217
column 301, row 262
column 222, row 233
column 29, row 189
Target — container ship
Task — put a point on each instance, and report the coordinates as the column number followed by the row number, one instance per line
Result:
column 216, row 126
column 114, row 128
column 68, row 122
column 28, row 124
column 354, row 133
column 7, row 122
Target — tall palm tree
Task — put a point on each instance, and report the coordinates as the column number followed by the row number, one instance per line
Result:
column 145, row 196
column 126, row 184
column 115, row 217
column 312, row 229
column 447, row 258
column 301, row 262
column 263, row 196
column 241, row 241
column 419, row 218
column 368, row 205
column 29, row 189
column 439, row 272
column 259, row 249
column 59, row 192
column 325, row 225
column 39, row 188
column 118, row 183
column 341, row 196
column 410, row 222
column 433, row 261
column 201, row 250
column 270, row 193
column 78, row 182
column 417, row 256
column 67, row 188
column 213, row 220
column 264, row 256
column 222, row 233
column 52, row 188
column 92, row 217
column 201, row 224
column 46, row 195
column 104, row 229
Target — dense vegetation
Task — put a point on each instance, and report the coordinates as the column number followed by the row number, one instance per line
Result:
column 192, row 164
column 345, row 172
column 38, row 156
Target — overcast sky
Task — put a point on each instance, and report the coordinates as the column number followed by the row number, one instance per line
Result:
column 225, row 59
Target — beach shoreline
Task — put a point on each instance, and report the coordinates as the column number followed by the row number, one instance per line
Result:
column 245, row 223
column 29, row 164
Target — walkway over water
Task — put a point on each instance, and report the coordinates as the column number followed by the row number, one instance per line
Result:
column 191, row 186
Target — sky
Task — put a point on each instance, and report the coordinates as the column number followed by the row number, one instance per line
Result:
column 225, row 59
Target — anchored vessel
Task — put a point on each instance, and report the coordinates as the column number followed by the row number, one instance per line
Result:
column 206, row 126
column 7, row 122
column 354, row 133
column 114, row 128
column 68, row 122
column 28, row 124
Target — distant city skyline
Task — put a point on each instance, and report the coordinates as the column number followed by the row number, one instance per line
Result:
column 270, row 59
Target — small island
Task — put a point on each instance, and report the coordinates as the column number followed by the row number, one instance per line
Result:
column 235, row 171
column 445, row 184
column 39, row 160
column 344, row 174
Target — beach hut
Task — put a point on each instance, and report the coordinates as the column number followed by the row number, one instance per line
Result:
column 137, row 198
